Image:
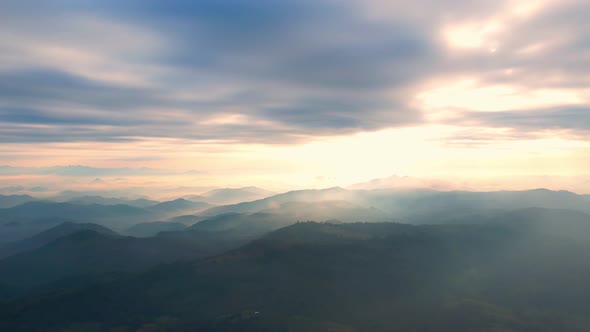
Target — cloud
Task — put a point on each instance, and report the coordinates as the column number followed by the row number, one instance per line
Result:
column 272, row 72
column 575, row 120
column 138, row 159
column 569, row 124
column 83, row 171
column 296, row 69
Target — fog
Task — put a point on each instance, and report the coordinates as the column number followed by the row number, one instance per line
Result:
column 313, row 259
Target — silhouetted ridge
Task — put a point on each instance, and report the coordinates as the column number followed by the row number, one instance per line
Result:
column 355, row 276
column 45, row 237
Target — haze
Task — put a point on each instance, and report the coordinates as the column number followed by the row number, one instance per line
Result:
column 294, row 165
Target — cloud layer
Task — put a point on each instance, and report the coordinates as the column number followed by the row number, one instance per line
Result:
column 264, row 71
column 251, row 71
column 220, row 75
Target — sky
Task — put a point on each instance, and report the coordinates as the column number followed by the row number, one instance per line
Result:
column 477, row 95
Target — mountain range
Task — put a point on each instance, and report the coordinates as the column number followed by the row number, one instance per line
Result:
column 514, row 273
column 230, row 195
column 308, row 260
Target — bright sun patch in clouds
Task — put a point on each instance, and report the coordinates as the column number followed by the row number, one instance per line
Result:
column 487, row 32
column 473, row 35
column 294, row 93
column 471, row 95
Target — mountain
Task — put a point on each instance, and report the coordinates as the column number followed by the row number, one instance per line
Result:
column 397, row 182
column 421, row 206
column 148, row 229
column 195, row 198
column 187, row 219
column 331, row 194
column 257, row 190
column 87, row 255
column 414, row 206
column 289, row 213
column 112, row 216
column 8, row 201
column 54, row 233
column 516, row 274
column 80, row 253
column 235, row 195
column 329, row 210
column 254, row 224
column 124, row 194
column 66, row 210
column 140, row 202
column 177, row 206
column 25, row 220
column 425, row 206
column 13, row 230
